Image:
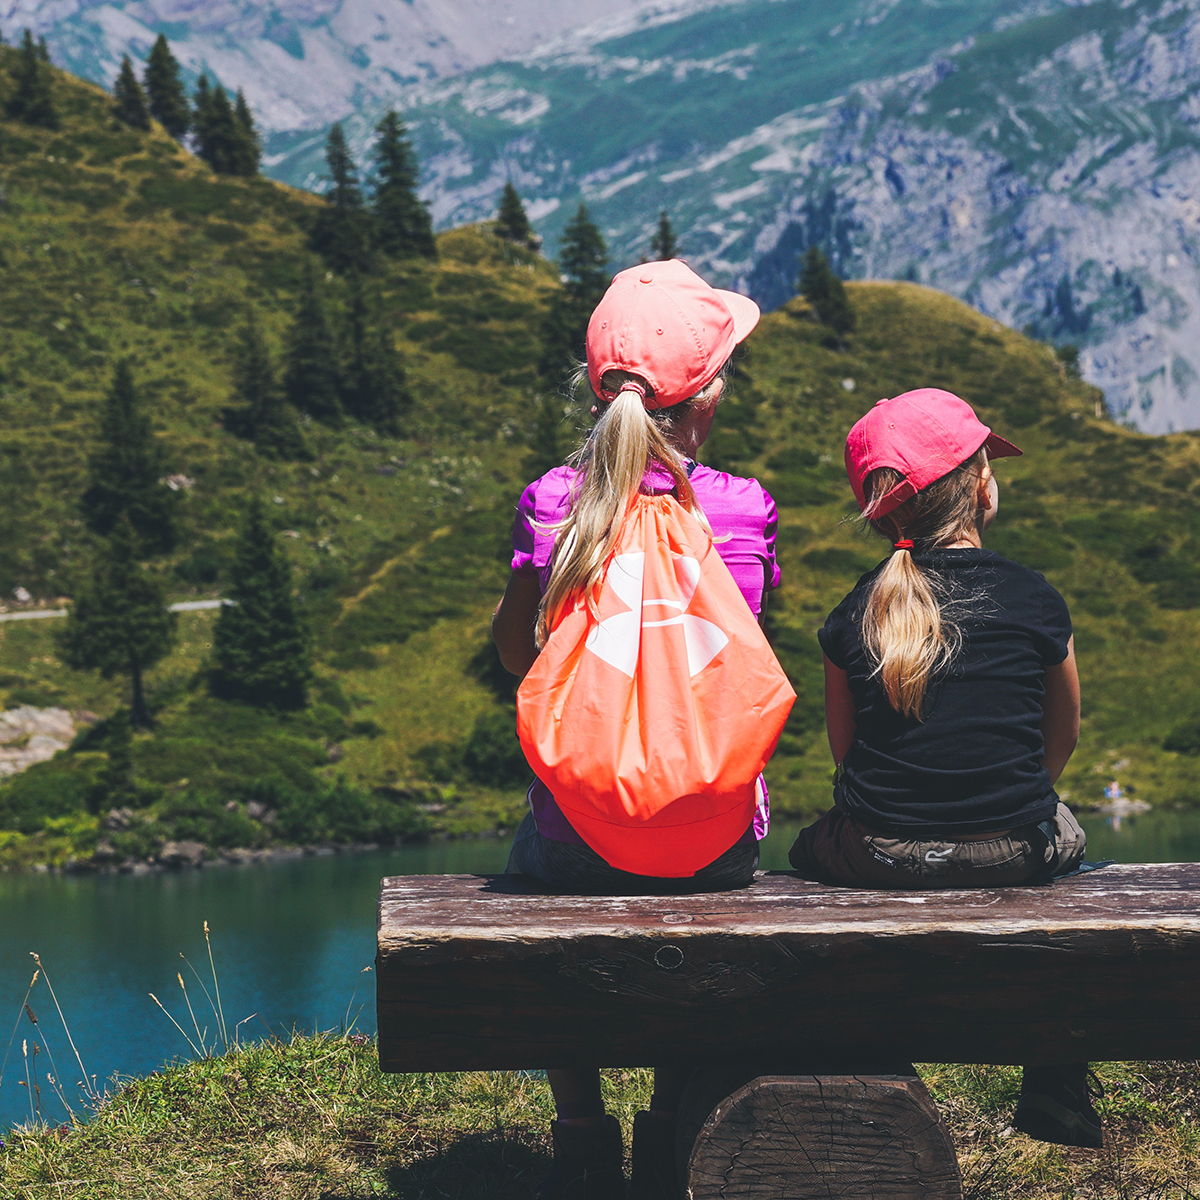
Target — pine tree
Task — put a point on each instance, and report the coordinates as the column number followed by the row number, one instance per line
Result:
column 512, row 222
column 583, row 260
column 402, row 224
column 341, row 232
column 583, row 263
column 547, row 443
column 32, row 99
column 119, row 623
column 248, row 145
column 311, row 381
column 129, row 99
column 822, row 288
column 261, row 650
column 165, row 96
column 125, row 474
column 663, row 244
column 374, row 387
column 260, row 413
column 202, row 120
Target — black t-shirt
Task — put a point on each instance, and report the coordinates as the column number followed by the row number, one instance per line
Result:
column 974, row 763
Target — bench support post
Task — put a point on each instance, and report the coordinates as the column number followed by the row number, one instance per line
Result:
column 856, row 1137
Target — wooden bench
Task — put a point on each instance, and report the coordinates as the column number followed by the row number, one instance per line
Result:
column 804, row 1005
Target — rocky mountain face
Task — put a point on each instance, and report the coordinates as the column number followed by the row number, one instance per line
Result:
column 304, row 63
column 1038, row 158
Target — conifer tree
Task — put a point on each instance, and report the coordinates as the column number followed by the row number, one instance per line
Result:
column 261, row 648
column 247, row 155
column 583, row 263
column 663, row 244
column 119, row 623
column 374, row 387
column 311, row 381
column 129, row 99
column 822, row 288
column 125, row 474
column 165, row 96
column 260, row 413
column 32, row 98
column 202, row 120
column 547, row 441
column 341, row 232
column 512, row 222
column 403, row 227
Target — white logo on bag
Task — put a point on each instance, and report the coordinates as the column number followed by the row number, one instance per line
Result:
column 617, row 639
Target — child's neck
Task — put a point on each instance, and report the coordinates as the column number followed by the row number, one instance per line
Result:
column 969, row 539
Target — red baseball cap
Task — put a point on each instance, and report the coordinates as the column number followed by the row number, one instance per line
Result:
column 923, row 434
column 661, row 321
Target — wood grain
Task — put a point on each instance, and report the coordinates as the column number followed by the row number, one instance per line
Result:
column 810, row 1137
column 477, row 972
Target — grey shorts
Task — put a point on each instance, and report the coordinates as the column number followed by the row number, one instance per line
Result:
column 837, row 849
column 575, row 867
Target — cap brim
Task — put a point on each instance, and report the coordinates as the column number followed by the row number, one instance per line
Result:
column 998, row 447
column 745, row 313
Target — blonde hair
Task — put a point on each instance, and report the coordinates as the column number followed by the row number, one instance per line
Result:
column 612, row 462
column 908, row 628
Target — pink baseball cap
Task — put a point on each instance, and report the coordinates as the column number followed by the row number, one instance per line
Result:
column 923, row 434
column 663, row 322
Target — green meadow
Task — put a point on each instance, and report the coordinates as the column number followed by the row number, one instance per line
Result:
column 119, row 244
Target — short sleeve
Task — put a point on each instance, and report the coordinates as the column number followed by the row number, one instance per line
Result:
column 832, row 636
column 522, row 530
column 1054, row 630
column 770, row 531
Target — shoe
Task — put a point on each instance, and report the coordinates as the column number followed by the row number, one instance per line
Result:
column 588, row 1162
column 1056, row 1106
column 654, row 1175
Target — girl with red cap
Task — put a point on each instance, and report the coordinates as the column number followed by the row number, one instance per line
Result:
column 951, row 697
column 658, row 349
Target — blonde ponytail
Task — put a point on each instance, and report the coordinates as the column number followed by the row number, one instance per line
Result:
column 908, row 629
column 612, row 462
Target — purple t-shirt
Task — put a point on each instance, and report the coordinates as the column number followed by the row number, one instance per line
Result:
column 743, row 519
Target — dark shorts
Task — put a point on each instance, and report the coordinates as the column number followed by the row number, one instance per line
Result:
column 575, row 867
column 837, row 849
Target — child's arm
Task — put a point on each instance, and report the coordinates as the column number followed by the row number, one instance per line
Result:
column 839, row 711
column 513, row 623
column 1060, row 713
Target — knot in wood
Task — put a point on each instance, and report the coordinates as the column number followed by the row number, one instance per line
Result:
column 669, row 958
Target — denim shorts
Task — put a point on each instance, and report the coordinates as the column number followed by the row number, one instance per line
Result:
column 576, row 867
column 838, row 849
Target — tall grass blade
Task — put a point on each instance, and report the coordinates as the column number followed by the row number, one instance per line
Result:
column 89, row 1086
column 177, row 1025
column 212, row 966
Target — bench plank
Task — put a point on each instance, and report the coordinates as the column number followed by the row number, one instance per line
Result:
column 479, row 972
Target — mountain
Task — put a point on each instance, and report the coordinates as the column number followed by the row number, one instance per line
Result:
column 303, row 63
column 1037, row 158
column 116, row 244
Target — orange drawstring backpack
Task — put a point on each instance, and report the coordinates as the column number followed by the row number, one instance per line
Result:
column 656, row 701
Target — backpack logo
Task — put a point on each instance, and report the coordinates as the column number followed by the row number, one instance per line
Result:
column 616, row 640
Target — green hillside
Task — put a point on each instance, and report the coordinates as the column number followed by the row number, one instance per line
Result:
column 119, row 244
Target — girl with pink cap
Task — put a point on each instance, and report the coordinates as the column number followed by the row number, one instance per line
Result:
column 951, row 697
column 658, row 348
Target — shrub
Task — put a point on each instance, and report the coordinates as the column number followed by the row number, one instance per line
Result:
column 1184, row 739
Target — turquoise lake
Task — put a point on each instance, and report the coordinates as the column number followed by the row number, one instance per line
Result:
column 290, row 939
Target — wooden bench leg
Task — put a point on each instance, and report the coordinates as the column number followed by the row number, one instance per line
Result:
column 856, row 1137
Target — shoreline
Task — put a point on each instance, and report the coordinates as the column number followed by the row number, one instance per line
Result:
column 188, row 858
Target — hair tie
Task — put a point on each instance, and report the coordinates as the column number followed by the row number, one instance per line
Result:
column 903, row 544
column 632, row 385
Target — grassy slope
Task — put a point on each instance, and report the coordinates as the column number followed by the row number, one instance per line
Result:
column 313, row 1119
column 399, row 542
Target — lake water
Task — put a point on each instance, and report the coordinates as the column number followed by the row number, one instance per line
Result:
column 290, row 939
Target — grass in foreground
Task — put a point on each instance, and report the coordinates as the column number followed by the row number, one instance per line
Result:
column 313, row 1119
